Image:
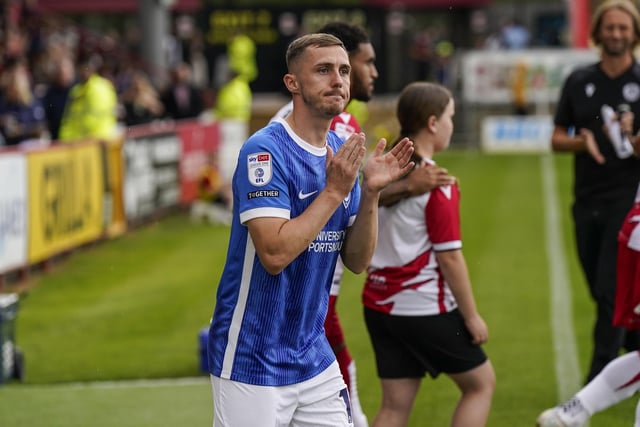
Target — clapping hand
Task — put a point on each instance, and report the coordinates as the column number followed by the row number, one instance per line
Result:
column 383, row 168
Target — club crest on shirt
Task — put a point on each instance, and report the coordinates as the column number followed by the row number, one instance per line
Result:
column 631, row 92
column 590, row 89
column 259, row 168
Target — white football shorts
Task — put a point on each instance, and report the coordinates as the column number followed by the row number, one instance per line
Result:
column 322, row 401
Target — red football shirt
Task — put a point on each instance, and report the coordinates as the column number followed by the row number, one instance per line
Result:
column 627, row 304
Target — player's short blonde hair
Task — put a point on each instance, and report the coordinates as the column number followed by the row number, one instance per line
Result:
column 298, row 47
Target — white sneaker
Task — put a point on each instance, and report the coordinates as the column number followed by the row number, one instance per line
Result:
column 550, row 418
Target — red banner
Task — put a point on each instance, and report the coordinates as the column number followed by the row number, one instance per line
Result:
column 426, row 4
column 579, row 17
column 74, row 6
column 198, row 142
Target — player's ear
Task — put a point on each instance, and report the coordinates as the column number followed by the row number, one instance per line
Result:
column 291, row 83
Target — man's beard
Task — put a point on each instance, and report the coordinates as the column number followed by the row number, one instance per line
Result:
column 616, row 49
column 327, row 110
column 361, row 94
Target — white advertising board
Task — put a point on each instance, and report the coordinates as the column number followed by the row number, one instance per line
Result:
column 13, row 211
column 517, row 133
column 487, row 75
column 151, row 175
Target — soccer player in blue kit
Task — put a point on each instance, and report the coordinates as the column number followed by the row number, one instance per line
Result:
column 297, row 205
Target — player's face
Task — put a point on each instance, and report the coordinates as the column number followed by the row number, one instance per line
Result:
column 324, row 80
column 364, row 72
column 445, row 127
column 616, row 33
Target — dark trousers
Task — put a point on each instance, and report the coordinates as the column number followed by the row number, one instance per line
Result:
column 596, row 231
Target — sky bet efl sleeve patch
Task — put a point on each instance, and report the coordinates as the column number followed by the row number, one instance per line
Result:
column 259, row 168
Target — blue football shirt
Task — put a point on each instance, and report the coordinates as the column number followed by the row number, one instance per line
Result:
column 268, row 329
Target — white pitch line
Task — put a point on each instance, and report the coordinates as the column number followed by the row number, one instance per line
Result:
column 564, row 341
column 141, row 383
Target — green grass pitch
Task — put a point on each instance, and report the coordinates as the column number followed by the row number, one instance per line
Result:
column 130, row 309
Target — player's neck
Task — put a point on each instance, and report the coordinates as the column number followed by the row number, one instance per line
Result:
column 312, row 130
column 613, row 66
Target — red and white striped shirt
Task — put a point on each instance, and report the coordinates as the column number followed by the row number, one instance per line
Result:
column 404, row 277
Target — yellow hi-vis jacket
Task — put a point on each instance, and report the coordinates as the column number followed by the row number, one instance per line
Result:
column 241, row 51
column 91, row 111
column 234, row 100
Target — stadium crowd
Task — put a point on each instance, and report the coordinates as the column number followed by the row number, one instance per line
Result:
column 52, row 70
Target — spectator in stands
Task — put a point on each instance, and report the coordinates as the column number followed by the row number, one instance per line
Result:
column 198, row 61
column 421, row 52
column 22, row 116
column 514, row 35
column 241, row 51
column 211, row 187
column 214, row 195
column 181, row 99
column 55, row 98
column 141, row 101
column 233, row 101
column 16, row 44
column 91, row 110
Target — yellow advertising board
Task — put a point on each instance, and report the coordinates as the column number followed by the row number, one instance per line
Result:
column 114, row 212
column 66, row 191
